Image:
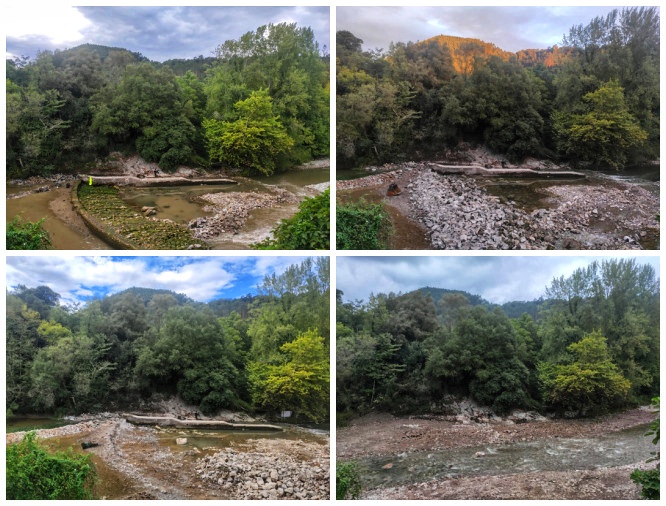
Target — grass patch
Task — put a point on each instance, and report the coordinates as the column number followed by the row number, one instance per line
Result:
column 127, row 226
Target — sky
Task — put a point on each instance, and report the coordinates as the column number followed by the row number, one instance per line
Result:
column 79, row 279
column 509, row 28
column 496, row 279
column 159, row 33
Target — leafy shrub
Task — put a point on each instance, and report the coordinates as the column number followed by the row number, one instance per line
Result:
column 649, row 479
column 23, row 234
column 362, row 225
column 33, row 473
column 310, row 228
column 347, row 481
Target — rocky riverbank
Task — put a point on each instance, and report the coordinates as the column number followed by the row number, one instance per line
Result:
column 152, row 462
column 272, row 469
column 457, row 212
column 386, row 441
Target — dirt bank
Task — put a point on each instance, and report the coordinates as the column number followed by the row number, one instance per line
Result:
column 457, row 212
column 134, row 463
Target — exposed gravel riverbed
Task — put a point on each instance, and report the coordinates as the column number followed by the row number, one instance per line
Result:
column 458, row 213
column 387, row 436
column 135, row 463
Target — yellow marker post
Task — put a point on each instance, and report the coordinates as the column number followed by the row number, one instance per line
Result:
column 90, row 181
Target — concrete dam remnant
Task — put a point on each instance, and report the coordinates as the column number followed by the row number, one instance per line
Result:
column 168, row 421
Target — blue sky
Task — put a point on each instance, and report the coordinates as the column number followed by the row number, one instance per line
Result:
column 158, row 32
column 497, row 279
column 202, row 278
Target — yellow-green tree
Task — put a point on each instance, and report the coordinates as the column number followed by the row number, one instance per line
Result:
column 604, row 133
column 590, row 384
column 254, row 140
column 300, row 383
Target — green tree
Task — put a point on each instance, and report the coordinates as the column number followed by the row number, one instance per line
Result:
column 299, row 383
column 253, row 141
column 591, row 383
column 309, row 228
column 604, row 133
column 33, row 473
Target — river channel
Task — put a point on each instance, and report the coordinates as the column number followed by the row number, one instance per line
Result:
column 177, row 203
column 557, row 454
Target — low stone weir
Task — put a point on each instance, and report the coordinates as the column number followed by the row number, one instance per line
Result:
column 154, row 181
column 478, row 170
column 167, row 421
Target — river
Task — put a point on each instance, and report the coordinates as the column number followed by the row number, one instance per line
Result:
column 624, row 447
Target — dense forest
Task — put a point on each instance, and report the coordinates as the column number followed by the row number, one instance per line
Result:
column 261, row 104
column 594, row 102
column 263, row 353
column 592, row 346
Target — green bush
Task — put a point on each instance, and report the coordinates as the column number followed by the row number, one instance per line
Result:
column 649, row 479
column 23, row 234
column 33, row 473
column 347, row 481
column 362, row 225
column 310, row 228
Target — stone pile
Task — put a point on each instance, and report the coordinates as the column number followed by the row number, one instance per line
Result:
column 458, row 214
column 232, row 210
column 270, row 473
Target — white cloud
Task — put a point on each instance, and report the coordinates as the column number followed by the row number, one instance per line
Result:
column 57, row 24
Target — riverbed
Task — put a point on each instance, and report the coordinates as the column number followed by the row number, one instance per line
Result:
column 600, row 212
column 153, row 462
column 181, row 204
column 417, row 458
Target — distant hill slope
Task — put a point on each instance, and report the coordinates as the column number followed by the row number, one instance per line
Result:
column 465, row 50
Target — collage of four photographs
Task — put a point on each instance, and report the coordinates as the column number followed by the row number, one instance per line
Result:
column 186, row 187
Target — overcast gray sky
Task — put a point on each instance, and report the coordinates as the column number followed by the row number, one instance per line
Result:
column 496, row 279
column 510, row 28
column 159, row 33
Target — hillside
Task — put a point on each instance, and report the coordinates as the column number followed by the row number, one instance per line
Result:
column 465, row 50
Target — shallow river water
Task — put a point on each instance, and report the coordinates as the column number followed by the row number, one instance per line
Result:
column 557, row 454
column 172, row 202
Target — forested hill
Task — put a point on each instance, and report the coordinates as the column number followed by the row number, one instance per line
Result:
column 591, row 103
column 593, row 348
column 119, row 351
column 465, row 51
column 259, row 105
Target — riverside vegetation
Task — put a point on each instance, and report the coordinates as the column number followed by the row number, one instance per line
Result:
column 123, row 351
column 589, row 348
column 259, row 106
column 592, row 102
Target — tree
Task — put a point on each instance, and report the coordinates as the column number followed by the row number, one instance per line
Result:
column 300, row 383
column 604, row 133
column 253, row 141
column 591, row 383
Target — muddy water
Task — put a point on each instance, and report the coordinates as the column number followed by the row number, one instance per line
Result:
column 175, row 203
column 18, row 424
column 35, row 206
column 558, row 454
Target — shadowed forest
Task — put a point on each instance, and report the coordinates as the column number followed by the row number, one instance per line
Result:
column 592, row 102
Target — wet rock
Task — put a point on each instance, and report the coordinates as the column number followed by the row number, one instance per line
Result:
column 181, row 441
